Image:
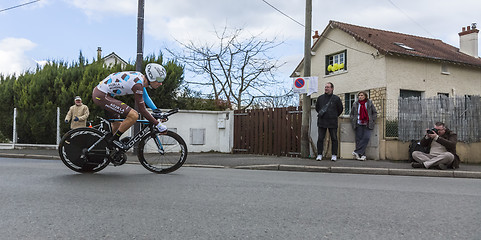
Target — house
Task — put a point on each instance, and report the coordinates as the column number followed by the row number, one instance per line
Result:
column 389, row 65
column 111, row 59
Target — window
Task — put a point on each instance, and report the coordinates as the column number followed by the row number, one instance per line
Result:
column 444, row 69
column 336, row 62
column 409, row 93
column 404, row 46
column 443, row 95
column 349, row 99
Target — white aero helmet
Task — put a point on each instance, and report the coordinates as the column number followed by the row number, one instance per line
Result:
column 155, row 72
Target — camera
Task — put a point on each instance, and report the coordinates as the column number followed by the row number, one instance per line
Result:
column 432, row 131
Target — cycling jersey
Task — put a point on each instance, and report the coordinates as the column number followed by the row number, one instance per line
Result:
column 119, row 84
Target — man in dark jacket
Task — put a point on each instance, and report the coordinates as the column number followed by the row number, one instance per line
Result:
column 442, row 149
column 328, row 108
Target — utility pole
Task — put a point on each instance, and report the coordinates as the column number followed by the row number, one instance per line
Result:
column 306, row 101
column 140, row 37
column 140, row 56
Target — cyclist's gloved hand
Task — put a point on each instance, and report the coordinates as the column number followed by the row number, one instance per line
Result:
column 66, row 121
column 75, row 119
column 161, row 127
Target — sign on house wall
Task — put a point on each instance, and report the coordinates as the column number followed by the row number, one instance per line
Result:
column 305, row 85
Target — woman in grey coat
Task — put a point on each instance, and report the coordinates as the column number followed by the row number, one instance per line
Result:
column 363, row 117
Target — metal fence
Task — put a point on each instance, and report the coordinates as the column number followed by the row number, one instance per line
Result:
column 407, row 118
column 18, row 137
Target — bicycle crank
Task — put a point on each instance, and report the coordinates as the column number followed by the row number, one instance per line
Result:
column 118, row 158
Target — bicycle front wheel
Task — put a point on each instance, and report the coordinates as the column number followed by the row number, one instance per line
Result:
column 162, row 153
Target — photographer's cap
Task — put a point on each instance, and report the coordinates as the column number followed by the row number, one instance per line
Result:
column 78, row 98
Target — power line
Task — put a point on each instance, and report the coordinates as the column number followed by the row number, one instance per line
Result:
column 21, row 5
column 272, row 6
column 410, row 18
column 357, row 50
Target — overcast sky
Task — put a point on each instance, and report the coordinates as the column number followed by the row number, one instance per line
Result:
column 59, row 29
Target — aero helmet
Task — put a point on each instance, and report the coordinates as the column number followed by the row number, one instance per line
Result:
column 155, row 72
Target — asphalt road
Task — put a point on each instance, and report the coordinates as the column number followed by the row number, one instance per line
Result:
column 42, row 199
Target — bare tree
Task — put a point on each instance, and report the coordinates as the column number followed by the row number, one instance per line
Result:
column 278, row 98
column 237, row 69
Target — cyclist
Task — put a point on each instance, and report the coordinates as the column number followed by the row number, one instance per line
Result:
column 126, row 83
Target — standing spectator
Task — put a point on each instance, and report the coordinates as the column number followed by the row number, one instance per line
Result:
column 442, row 149
column 328, row 108
column 363, row 117
column 77, row 114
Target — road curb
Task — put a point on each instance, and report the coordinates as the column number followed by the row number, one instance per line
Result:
column 259, row 167
column 303, row 168
column 306, row 168
column 467, row 174
column 359, row 170
column 366, row 170
column 16, row 155
column 203, row 166
column 421, row 172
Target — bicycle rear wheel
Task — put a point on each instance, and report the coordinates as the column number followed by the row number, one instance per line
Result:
column 75, row 143
column 162, row 153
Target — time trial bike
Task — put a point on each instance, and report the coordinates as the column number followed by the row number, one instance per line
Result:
column 86, row 150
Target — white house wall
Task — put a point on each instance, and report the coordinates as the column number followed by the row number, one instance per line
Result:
column 364, row 71
column 217, row 125
column 425, row 76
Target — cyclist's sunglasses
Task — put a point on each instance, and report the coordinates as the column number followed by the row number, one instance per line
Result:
column 159, row 79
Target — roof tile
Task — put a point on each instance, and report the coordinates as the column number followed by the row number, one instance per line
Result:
column 385, row 43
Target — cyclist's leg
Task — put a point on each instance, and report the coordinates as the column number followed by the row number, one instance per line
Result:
column 114, row 125
column 115, row 108
column 129, row 120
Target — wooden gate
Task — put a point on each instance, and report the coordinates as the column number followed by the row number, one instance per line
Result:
column 270, row 131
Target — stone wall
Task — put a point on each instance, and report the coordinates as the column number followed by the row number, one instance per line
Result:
column 378, row 98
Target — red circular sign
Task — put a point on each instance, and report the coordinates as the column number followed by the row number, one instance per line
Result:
column 299, row 83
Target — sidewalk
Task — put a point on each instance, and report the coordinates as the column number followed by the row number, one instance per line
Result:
column 261, row 162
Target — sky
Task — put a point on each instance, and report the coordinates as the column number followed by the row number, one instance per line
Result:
column 60, row 29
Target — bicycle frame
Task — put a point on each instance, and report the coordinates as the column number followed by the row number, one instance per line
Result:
column 146, row 130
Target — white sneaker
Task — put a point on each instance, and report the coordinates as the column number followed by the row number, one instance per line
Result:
column 356, row 155
column 334, row 158
column 319, row 158
column 363, row 158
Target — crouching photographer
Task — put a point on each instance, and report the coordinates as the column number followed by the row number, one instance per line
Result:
column 441, row 144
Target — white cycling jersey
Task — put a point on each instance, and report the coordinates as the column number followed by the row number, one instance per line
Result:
column 121, row 83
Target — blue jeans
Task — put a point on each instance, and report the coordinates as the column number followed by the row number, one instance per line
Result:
column 363, row 134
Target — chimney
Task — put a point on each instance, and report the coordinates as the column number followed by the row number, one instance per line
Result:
column 316, row 35
column 468, row 40
column 99, row 53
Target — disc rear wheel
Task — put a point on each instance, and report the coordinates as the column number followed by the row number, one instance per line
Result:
column 73, row 150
